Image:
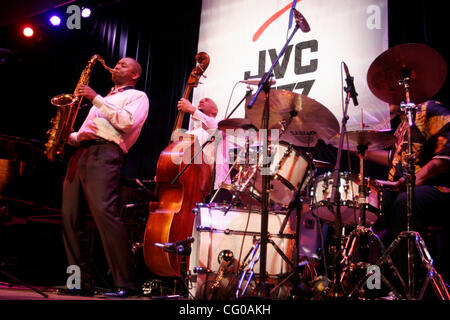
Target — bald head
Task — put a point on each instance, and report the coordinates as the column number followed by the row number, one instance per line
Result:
column 208, row 107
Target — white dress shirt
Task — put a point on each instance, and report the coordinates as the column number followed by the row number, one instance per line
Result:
column 203, row 126
column 118, row 118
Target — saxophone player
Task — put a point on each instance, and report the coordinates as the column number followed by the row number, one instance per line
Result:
column 110, row 129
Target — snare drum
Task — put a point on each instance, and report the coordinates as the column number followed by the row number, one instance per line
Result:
column 291, row 169
column 322, row 205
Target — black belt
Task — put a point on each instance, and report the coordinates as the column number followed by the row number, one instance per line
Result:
column 94, row 142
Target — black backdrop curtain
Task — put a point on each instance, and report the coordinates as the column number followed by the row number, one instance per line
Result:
column 161, row 36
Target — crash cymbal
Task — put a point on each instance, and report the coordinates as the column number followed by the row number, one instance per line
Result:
column 304, row 120
column 235, row 123
column 374, row 140
column 426, row 67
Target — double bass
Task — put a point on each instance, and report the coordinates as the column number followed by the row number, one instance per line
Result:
column 171, row 218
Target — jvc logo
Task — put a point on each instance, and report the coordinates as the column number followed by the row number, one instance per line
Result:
column 301, row 65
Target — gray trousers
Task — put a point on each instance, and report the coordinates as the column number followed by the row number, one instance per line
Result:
column 94, row 173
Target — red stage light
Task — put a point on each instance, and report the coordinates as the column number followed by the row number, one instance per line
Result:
column 28, row 32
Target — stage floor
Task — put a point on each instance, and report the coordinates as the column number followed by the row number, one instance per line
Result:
column 23, row 293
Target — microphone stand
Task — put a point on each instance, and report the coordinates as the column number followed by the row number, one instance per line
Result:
column 339, row 236
column 181, row 248
column 264, row 85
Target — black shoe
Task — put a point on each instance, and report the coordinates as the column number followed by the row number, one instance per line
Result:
column 123, row 293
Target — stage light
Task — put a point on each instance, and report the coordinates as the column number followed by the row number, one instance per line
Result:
column 28, row 32
column 55, row 20
column 85, row 12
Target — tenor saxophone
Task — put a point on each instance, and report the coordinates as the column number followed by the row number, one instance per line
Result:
column 66, row 113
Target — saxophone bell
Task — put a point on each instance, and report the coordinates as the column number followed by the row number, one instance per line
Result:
column 62, row 100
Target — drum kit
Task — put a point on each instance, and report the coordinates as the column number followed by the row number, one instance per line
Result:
column 295, row 242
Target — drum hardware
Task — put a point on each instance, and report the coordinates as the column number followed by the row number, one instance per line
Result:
column 361, row 234
column 296, row 204
column 273, row 111
column 233, row 124
column 322, row 164
column 264, row 85
column 417, row 81
column 339, row 236
column 215, row 232
column 183, row 249
column 252, row 257
column 359, row 237
column 241, row 180
column 247, row 273
column 224, row 282
column 157, row 289
column 363, row 140
column 245, row 172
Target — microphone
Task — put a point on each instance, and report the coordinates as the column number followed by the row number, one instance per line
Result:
column 256, row 81
column 301, row 21
column 175, row 247
column 350, row 85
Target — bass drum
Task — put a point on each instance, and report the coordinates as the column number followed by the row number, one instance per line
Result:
column 217, row 233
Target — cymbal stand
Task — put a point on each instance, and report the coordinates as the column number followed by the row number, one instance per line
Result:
column 296, row 203
column 264, row 84
column 250, row 260
column 414, row 240
column 361, row 230
column 360, row 236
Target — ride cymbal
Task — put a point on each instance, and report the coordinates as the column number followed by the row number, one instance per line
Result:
column 302, row 120
column 425, row 68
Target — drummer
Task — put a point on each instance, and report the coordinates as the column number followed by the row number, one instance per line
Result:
column 431, row 151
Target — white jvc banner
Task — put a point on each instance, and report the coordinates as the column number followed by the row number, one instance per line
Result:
column 244, row 37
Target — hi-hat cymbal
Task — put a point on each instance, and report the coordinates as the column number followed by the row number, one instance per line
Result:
column 304, row 120
column 235, row 123
column 426, row 68
column 374, row 140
